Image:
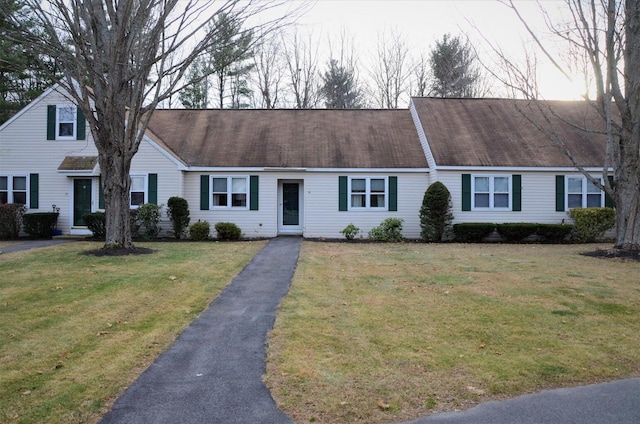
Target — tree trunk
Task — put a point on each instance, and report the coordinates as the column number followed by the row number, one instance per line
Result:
column 628, row 215
column 116, row 184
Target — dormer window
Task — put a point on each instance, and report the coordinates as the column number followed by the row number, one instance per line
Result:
column 65, row 122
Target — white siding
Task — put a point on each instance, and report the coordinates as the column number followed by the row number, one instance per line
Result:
column 321, row 217
column 24, row 149
column 538, row 198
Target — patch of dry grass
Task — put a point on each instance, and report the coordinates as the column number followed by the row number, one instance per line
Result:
column 387, row 332
column 77, row 329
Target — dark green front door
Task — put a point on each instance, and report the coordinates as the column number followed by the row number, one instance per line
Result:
column 81, row 200
column 290, row 204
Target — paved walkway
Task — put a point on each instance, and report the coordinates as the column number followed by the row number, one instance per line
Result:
column 213, row 372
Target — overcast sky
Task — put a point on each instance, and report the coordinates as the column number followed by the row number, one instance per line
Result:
column 422, row 22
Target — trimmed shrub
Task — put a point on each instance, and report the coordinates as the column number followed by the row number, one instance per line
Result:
column 350, row 231
column 472, row 232
column 591, row 223
column 133, row 222
column 228, row 231
column 11, row 220
column 554, row 233
column 199, row 231
column 390, row 230
column 516, row 231
column 96, row 222
column 40, row 224
column 178, row 211
column 148, row 216
column 435, row 213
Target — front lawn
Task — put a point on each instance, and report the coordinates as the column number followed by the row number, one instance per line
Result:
column 387, row 332
column 78, row 329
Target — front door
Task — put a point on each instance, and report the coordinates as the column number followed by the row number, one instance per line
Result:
column 81, row 200
column 290, row 204
column 290, row 210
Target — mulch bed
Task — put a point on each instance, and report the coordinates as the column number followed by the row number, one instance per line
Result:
column 614, row 254
column 119, row 251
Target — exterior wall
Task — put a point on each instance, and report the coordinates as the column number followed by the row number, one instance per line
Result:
column 321, row 217
column 538, row 198
column 150, row 160
column 24, row 150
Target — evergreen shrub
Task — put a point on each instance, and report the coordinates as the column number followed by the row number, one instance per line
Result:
column 178, row 211
column 228, row 231
column 591, row 223
column 40, row 224
column 199, row 231
column 472, row 232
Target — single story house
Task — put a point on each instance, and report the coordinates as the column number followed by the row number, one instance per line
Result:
column 310, row 172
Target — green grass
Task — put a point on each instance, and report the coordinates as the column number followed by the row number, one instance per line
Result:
column 77, row 329
column 387, row 332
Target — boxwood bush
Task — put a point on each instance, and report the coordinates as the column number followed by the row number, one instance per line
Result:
column 96, row 223
column 554, row 233
column 516, row 231
column 228, row 231
column 40, row 224
column 472, row 232
column 199, row 231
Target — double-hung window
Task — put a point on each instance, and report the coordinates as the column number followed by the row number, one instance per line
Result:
column 368, row 193
column 582, row 193
column 229, row 192
column 66, row 125
column 491, row 192
column 13, row 189
column 138, row 191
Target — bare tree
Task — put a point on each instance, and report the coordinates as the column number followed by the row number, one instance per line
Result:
column 115, row 58
column 606, row 34
column 420, row 77
column 302, row 63
column 269, row 72
column 390, row 71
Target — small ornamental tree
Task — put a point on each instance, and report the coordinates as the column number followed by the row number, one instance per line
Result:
column 178, row 211
column 435, row 213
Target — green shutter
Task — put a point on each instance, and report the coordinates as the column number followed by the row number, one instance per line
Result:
column 81, row 125
column 516, row 181
column 51, row 122
column 100, row 193
column 33, row 191
column 342, row 193
column 559, row 193
column 393, row 194
column 253, row 192
column 608, row 201
column 204, row 192
column 466, row 192
column 153, row 188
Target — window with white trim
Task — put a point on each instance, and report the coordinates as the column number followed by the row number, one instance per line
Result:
column 230, row 192
column 491, row 192
column 582, row 193
column 66, row 125
column 13, row 189
column 368, row 193
column 138, row 192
